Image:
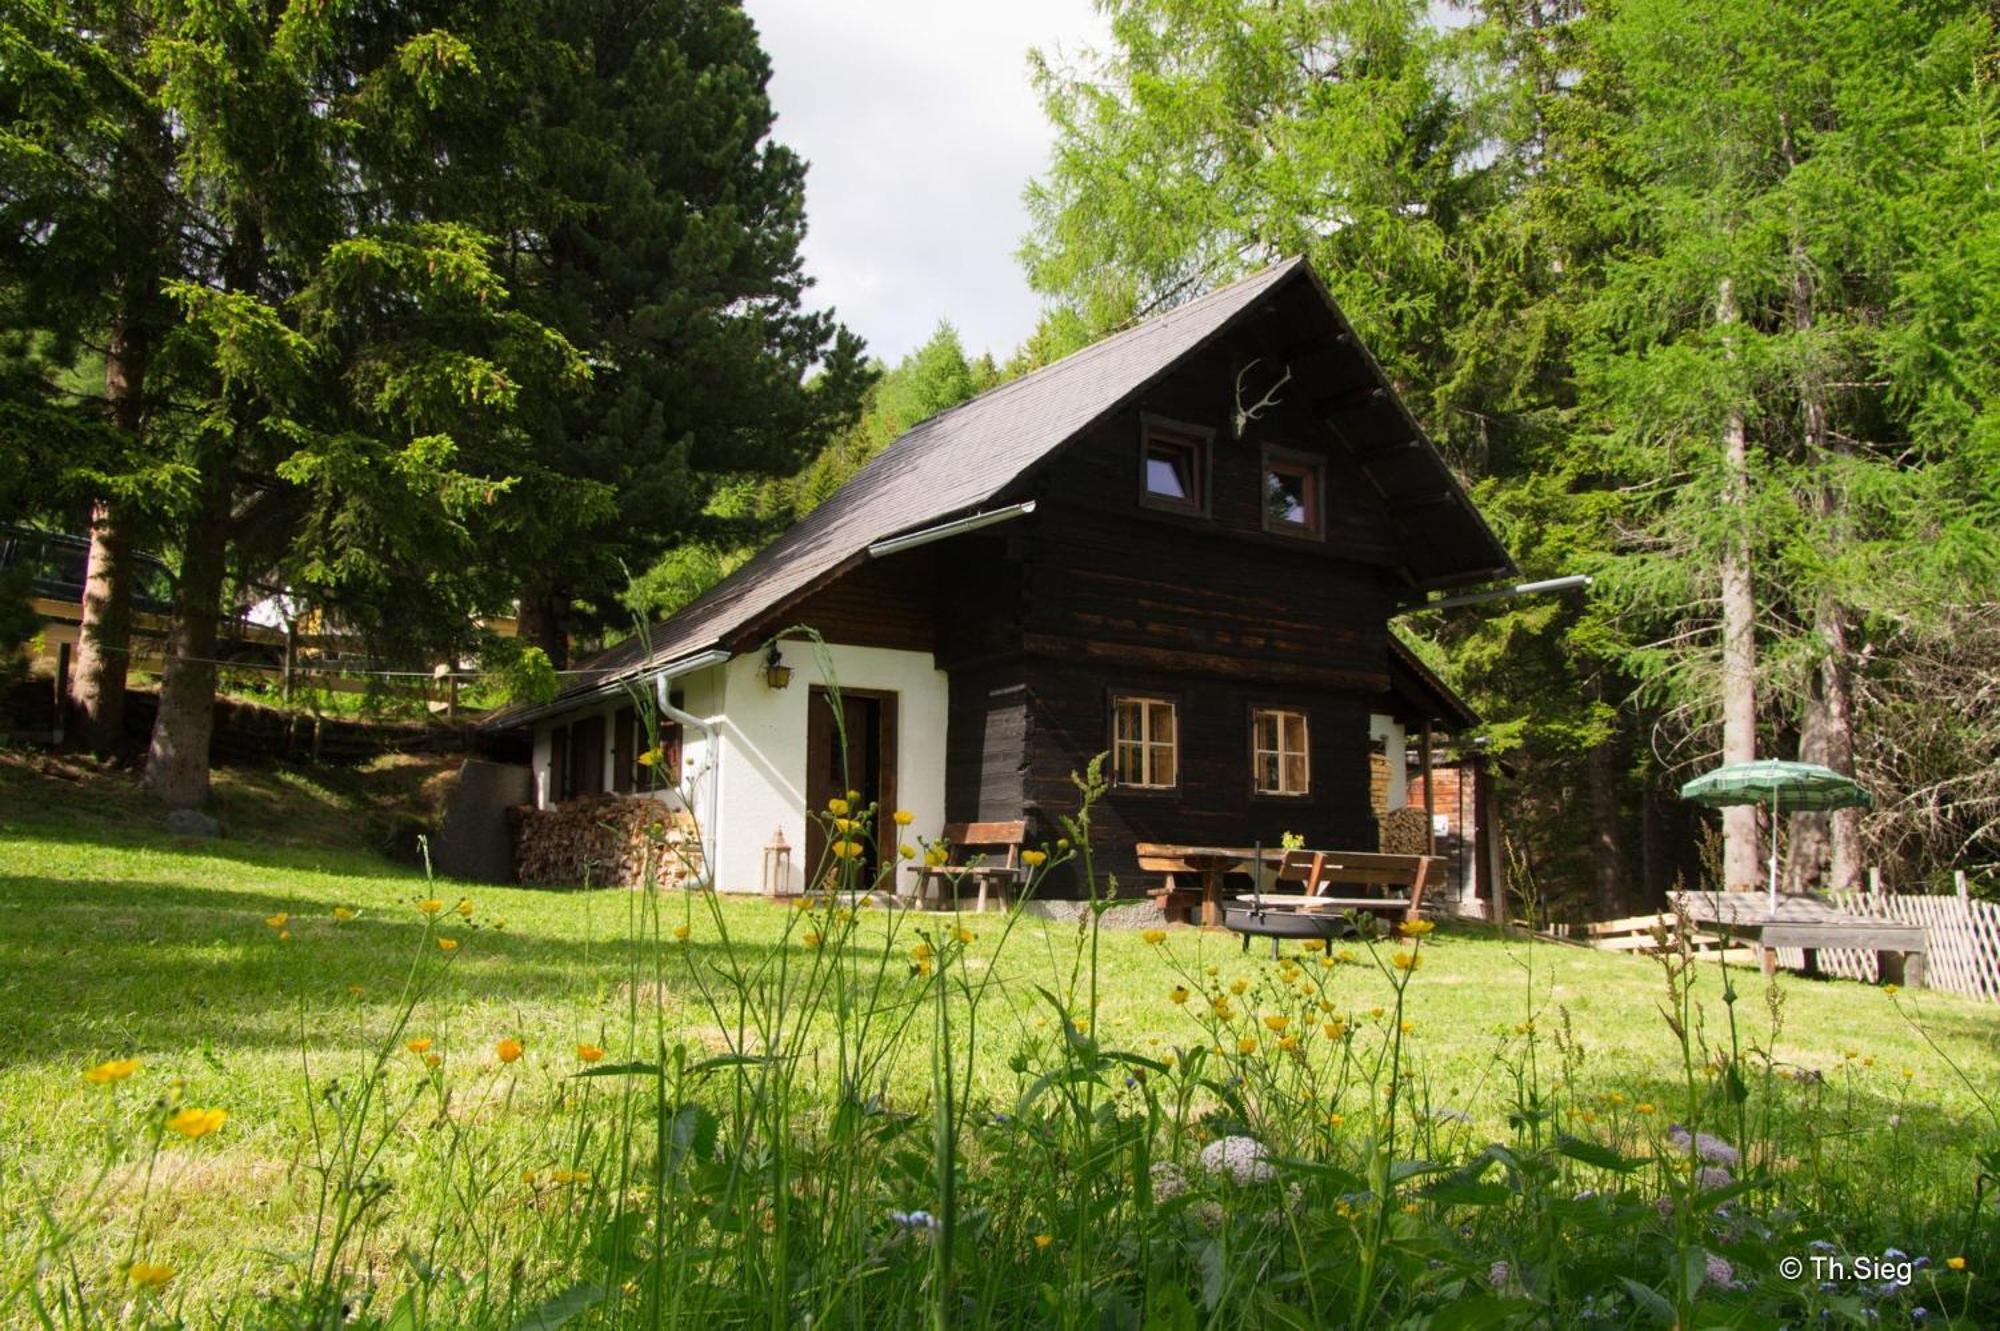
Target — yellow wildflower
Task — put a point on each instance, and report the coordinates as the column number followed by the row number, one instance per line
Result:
column 921, row 952
column 447, row 945
column 433, row 1061
column 1335, row 1120
column 1408, row 1027
column 343, row 913
column 1154, row 937
column 357, row 989
column 1239, row 986
column 1178, row 994
column 837, row 807
column 907, row 851
column 854, row 797
column 1416, row 928
column 276, row 921
column 464, row 907
column 1289, row 1043
column 935, row 856
column 1376, row 1013
column 922, row 970
column 420, row 1045
column 1892, row 989
column 1044, row 1240
column 1334, row 1029
column 904, row 817
column 1314, row 945
column 150, row 1275
column 589, row 1053
column 117, row 1069
column 846, row 850
column 430, row 906
column 650, row 758
column 510, row 1049
column 681, row 932
column 192, row 1122
column 1214, row 971
column 1955, row 1263
column 964, row 935
column 1643, row 1107
column 813, row 939
column 284, row 935
column 1034, row 859
column 1247, row 1045
column 1406, row 961
column 1276, row 1022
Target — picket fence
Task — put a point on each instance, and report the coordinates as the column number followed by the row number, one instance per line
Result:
column 1963, row 937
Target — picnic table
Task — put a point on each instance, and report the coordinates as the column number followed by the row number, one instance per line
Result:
column 1809, row 923
column 1210, row 863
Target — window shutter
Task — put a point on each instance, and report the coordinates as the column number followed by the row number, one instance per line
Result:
column 590, row 752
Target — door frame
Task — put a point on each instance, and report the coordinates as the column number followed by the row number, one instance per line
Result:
column 820, row 734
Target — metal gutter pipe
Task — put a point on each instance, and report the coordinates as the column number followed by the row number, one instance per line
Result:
column 944, row 530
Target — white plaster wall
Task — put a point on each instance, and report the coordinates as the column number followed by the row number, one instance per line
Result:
column 763, row 758
column 1396, row 748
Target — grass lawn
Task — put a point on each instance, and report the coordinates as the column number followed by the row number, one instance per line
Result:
column 117, row 941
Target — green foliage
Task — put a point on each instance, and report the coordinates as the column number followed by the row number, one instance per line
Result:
column 520, row 671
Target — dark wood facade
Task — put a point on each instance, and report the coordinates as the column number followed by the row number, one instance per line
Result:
column 1043, row 621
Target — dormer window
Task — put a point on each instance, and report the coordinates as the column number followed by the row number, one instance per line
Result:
column 1173, row 468
column 1292, row 494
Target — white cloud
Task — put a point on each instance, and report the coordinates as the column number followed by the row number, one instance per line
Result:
column 922, row 131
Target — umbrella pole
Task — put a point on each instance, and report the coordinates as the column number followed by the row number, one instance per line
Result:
column 1774, row 852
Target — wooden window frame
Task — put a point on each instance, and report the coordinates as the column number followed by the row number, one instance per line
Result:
column 1152, row 697
column 1259, row 710
column 1309, row 468
column 1180, row 434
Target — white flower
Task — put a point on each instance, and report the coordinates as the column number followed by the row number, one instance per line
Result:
column 1498, row 1274
column 1240, row 1159
column 1713, row 1176
column 1208, row 1213
column 914, row 1219
column 1717, row 1270
column 1169, row 1181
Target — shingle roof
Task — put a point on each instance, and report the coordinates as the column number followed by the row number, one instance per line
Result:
column 949, row 465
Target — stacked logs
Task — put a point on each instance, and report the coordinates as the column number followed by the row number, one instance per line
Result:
column 605, row 841
column 1405, row 831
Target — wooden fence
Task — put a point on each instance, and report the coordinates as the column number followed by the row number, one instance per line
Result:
column 1963, row 936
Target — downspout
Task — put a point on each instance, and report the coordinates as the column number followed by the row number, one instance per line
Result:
column 710, row 823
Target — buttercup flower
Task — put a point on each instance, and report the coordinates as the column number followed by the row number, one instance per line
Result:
column 117, row 1069
column 447, row 945
column 904, row 817
column 813, row 939
column 1154, row 937
column 1178, row 994
column 149, row 1275
column 420, row 1045
column 1239, row 986
column 907, row 851
column 1247, row 1045
column 1406, row 961
column 846, row 850
column 343, row 913
column 1416, row 928
column 1276, row 1021
column 276, row 921
column 464, row 907
column 1955, row 1263
column 192, row 1122
column 1034, row 859
column 1043, row 1240
column 509, row 1049
column 433, row 1060
column 964, row 935
column 681, row 932
column 935, row 856
column 430, row 906
column 357, row 989
column 921, row 952
column 837, row 807
column 589, row 1053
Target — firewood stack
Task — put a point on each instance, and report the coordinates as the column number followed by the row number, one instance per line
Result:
column 1404, row 831
column 605, row 841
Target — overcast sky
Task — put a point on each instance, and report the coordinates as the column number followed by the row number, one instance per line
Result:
column 921, row 130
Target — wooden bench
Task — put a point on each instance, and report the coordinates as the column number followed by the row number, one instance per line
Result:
column 1397, row 881
column 972, row 849
column 1177, row 903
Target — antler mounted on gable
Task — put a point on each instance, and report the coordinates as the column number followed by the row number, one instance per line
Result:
column 1244, row 415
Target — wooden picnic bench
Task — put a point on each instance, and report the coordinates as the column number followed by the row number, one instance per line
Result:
column 1809, row 923
column 1397, row 880
column 988, row 854
column 1325, row 908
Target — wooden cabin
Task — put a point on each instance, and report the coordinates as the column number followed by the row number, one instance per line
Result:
column 1181, row 546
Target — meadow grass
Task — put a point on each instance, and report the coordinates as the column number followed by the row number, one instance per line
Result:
column 870, row 1118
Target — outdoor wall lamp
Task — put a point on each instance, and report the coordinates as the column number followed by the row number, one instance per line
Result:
column 777, row 674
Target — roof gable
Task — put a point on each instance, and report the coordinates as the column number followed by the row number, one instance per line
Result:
column 959, row 461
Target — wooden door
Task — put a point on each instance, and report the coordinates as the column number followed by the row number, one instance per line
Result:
column 867, row 765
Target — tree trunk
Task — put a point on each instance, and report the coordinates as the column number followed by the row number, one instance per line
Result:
column 104, row 635
column 104, row 638
column 1837, row 691
column 1607, row 850
column 539, row 624
column 177, row 762
column 1740, row 867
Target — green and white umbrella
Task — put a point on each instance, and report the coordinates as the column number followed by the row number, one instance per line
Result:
column 1786, row 787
